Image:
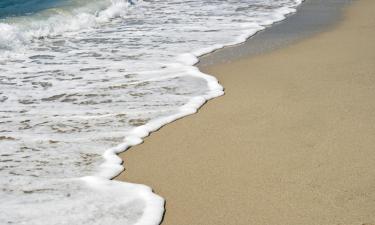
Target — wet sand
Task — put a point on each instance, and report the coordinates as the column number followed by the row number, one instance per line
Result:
column 291, row 142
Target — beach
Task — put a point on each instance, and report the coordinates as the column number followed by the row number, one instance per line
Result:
column 290, row 142
column 82, row 81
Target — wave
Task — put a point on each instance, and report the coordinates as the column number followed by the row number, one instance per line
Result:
column 12, row 8
column 16, row 32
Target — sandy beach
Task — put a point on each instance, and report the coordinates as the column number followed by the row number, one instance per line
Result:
column 290, row 143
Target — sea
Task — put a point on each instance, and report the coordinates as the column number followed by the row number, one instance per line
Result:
column 83, row 80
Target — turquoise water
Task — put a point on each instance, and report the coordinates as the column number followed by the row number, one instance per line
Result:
column 11, row 8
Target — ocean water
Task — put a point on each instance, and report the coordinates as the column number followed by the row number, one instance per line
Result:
column 82, row 80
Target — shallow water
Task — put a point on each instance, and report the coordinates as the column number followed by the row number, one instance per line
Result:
column 83, row 80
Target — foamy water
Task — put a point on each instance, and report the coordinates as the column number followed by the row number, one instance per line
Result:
column 81, row 81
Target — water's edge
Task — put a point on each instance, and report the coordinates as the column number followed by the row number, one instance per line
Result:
column 312, row 17
column 295, row 27
column 275, row 36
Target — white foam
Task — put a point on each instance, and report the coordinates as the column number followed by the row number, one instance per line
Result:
column 60, row 22
column 154, row 209
column 10, row 36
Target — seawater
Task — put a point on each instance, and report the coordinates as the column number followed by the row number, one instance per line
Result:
column 82, row 80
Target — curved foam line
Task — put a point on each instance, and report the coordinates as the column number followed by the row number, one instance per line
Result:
column 112, row 165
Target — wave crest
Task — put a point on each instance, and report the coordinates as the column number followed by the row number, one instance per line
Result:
column 17, row 32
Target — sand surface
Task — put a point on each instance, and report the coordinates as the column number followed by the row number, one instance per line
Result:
column 292, row 142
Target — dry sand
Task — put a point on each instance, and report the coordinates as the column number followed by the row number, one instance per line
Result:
column 291, row 142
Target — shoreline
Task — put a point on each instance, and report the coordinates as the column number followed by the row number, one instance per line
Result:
column 312, row 18
column 176, row 161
